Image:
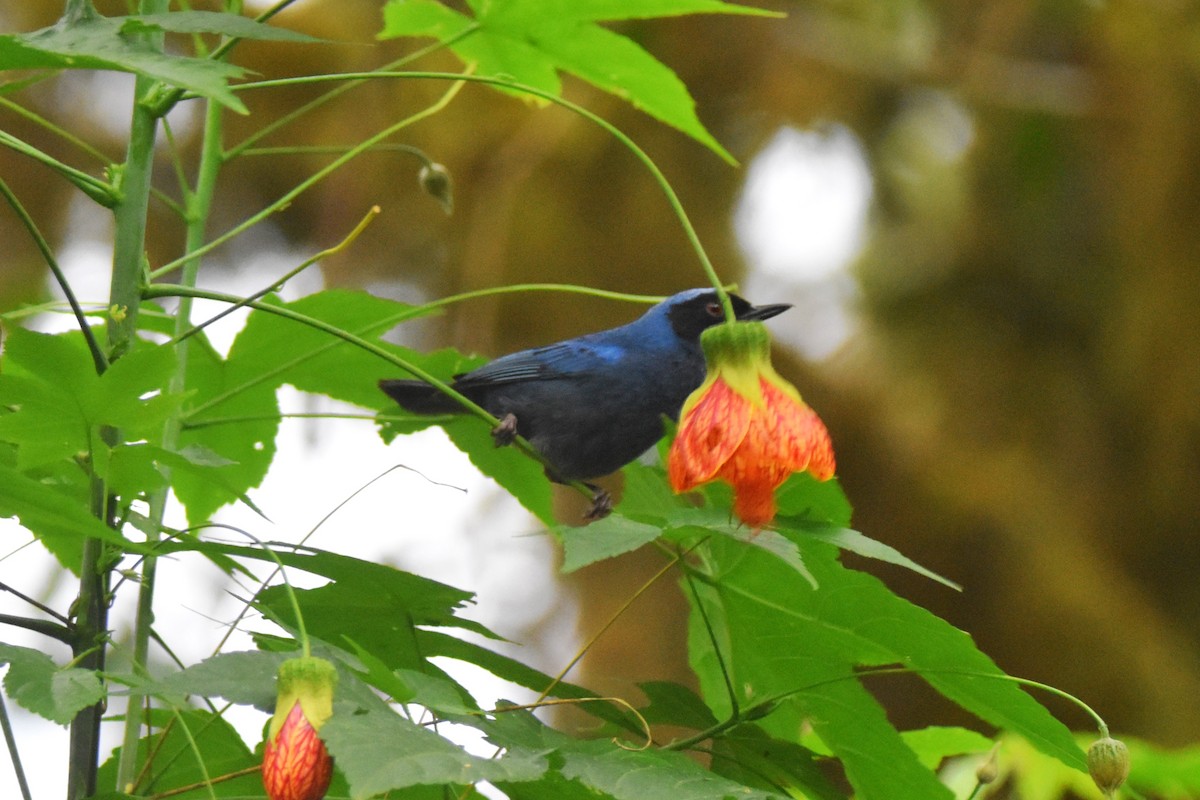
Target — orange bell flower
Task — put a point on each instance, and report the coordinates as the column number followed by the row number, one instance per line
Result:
column 746, row 425
column 296, row 765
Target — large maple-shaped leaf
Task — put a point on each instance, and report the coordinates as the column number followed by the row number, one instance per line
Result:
column 781, row 638
column 530, row 43
column 92, row 41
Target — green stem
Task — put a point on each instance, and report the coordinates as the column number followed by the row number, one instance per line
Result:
column 672, row 198
column 199, row 204
column 57, row 130
column 313, row 179
column 295, row 114
column 102, row 192
column 169, row 290
column 181, row 336
column 130, row 240
column 98, row 358
column 87, row 648
column 124, row 299
column 13, row 753
column 765, row 706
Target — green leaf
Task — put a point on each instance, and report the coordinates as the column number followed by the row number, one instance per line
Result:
column 273, row 350
column 604, row 538
column 751, row 756
column 188, row 748
column 519, row 474
column 782, row 638
column 436, row 643
column 96, row 42
column 246, row 678
column 231, row 25
column 938, row 742
column 230, row 417
column 625, row 774
column 60, row 520
column 40, row 686
column 380, row 751
column 855, row 542
column 673, row 704
column 531, row 42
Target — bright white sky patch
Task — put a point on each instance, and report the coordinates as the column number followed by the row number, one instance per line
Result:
column 801, row 221
column 804, row 207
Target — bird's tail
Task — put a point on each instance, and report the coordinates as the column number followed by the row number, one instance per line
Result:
column 418, row 397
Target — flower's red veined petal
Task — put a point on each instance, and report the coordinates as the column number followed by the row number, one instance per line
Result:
column 709, row 432
column 296, row 765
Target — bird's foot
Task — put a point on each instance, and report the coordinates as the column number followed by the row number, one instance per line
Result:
column 602, row 504
column 506, row 432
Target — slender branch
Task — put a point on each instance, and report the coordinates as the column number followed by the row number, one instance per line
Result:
column 278, row 284
column 57, row 130
column 13, row 753
column 102, row 192
column 716, row 646
column 676, row 205
column 98, row 357
column 198, row 206
column 433, row 419
column 765, row 706
column 171, row 290
column 40, row 606
column 582, row 651
column 312, row 180
column 45, row 627
column 205, row 784
column 295, row 114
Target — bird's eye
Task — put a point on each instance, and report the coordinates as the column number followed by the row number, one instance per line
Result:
column 714, row 310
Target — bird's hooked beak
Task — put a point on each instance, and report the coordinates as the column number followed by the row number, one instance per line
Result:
column 759, row 313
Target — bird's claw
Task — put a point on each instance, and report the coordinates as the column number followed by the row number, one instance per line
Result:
column 602, row 505
column 506, row 432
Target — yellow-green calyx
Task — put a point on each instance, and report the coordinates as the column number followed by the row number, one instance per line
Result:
column 739, row 353
column 310, row 681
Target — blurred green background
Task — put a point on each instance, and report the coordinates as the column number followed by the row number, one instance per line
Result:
column 1017, row 403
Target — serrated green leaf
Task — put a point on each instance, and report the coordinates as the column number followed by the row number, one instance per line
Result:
column 190, row 747
column 604, row 538
column 380, row 751
column 751, row 756
column 231, row 25
column 226, row 416
column 530, row 42
column 246, row 678
column 938, row 742
column 855, row 542
column 523, row 477
column 273, row 350
column 674, row 704
column 621, row 773
column 781, row 637
column 96, row 42
column 41, row 686
column 60, row 520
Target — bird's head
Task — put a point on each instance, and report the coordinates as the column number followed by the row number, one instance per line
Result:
column 692, row 311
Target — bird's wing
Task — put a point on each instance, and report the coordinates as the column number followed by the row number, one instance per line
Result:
column 562, row 360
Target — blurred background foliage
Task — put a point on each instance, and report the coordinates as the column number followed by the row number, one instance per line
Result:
column 1017, row 405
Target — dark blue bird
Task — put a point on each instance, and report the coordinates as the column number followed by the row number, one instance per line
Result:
column 593, row 404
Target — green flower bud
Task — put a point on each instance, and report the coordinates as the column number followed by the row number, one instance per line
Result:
column 1108, row 763
column 435, row 180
